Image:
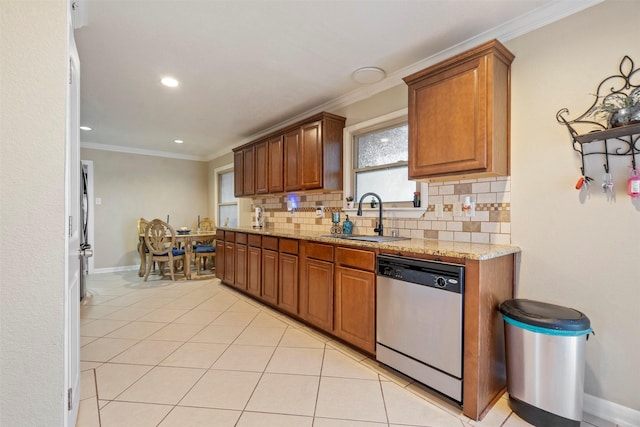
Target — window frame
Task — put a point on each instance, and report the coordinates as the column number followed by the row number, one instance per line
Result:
column 218, row 193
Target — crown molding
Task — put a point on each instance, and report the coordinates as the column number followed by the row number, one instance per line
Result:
column 143, row 152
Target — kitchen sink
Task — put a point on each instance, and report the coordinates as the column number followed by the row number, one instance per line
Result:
column 376, row 239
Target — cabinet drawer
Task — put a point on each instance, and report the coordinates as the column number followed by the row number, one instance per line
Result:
column 255, row 240
column 319, row 251
column 229, row 236
column 220, row 234
column 357, row 258
column 241, row 238
column 269, row 242
column 289, row 246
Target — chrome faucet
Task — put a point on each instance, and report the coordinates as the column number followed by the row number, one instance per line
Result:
column 378, row 229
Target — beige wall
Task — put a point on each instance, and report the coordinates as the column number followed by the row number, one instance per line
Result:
column 133, row 186
column 580, row 253
column 33, row 76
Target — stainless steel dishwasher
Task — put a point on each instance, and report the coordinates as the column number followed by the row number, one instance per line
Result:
column 419, row 312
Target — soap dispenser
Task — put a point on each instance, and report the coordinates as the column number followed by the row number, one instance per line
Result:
column 347, row 226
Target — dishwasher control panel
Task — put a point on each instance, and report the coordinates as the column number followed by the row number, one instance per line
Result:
column 435, row 274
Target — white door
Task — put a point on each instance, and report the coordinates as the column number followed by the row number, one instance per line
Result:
column 72, row 250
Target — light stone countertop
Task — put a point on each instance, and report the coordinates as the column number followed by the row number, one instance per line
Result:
column 463, row 250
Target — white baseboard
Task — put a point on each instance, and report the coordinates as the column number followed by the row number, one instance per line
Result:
column 610, row 411
column 115, row 269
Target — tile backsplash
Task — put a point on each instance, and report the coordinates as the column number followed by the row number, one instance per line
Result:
column 490, row 224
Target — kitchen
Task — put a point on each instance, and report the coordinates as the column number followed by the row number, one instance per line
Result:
column 582, row 254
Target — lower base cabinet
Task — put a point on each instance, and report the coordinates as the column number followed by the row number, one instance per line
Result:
column 254, row 270
column 316, row 293
column 355, row 311
column 269, row 276
column 241, row 266
column 288, row 283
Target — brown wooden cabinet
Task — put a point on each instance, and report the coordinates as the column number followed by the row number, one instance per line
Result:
column 275, row 166
column 220, row 261
column 304, row 156
column 459, row 112
column 270, row 276
column 316, row 284
column 229, row 252
column 288, row 276
column 240, row 253
column 261, row 167
column 355, row 297
column 254, row 265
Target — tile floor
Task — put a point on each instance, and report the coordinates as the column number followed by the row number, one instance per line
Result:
column 197, row 353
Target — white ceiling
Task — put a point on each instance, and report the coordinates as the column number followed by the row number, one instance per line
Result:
column 247, row 66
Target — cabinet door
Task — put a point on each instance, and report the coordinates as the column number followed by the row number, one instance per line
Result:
column 220, row 260
column 459, row 115
column 292, row 161
column 275, row 165
column 249, row 183
column 355, row 307
column 270, row 276
column 311, row 155
column 261, row 168
column 288, row 283
column 229, row 267
column 316, row 293
column 240, row 280
column 238, row 174
column 254, row 270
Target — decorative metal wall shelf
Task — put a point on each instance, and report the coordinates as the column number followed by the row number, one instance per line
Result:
column 619, row 91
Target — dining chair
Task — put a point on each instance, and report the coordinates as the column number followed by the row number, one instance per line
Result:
column 207, row 224
column 160, row 239
column 205, row 248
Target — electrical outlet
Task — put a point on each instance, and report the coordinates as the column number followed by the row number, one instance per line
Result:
column 319, row 211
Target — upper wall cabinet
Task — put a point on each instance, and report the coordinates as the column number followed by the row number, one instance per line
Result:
column 459, row 115
column 304, row 156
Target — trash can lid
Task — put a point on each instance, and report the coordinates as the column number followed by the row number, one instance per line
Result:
column 545, row 315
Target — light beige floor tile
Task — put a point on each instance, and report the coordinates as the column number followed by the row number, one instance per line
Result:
column 96, row 311
column 290, row 360
column 137, row 330
column 176, row 332
column 222, row 390
column 114, row 378
column 162, row 385
column 195, row 417
column 386, row 373
column 87, row 384
column 104, row 349
column 101, row 327
column 163, row 315
column 85, row 366
column 128, row 414
column 185, row 302
column 285, row 394
column 86, row 340
column 259, row 419
column 234, row 318
column 244, row 306
column 337, row 364
column 266, row 320
column 198, row 317
column 244, row 358
column 350, row 399
column 260, row 336
column 97, row 299
column 88, row 414
column 195, row 355
column 217, row 304
column 429, row 395
column 147, row 352
column 218, row 334
column 515, row 421
column 299, row 338
column 403, row 407
column 496, row 416
column 354, row 354
column 129, row 313
column 330, row 422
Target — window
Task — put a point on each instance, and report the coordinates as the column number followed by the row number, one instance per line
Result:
column 380, row 156
column 227, row 203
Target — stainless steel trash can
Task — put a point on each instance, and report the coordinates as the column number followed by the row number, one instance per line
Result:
column 545, row 345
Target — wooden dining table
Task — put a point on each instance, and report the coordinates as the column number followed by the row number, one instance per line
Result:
column 185, row 241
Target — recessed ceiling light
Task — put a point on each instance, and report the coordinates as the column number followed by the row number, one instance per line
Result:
column 368, row 75
column 169, row 82
column 178, row 141
column 384, row 139
column 85, row 128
